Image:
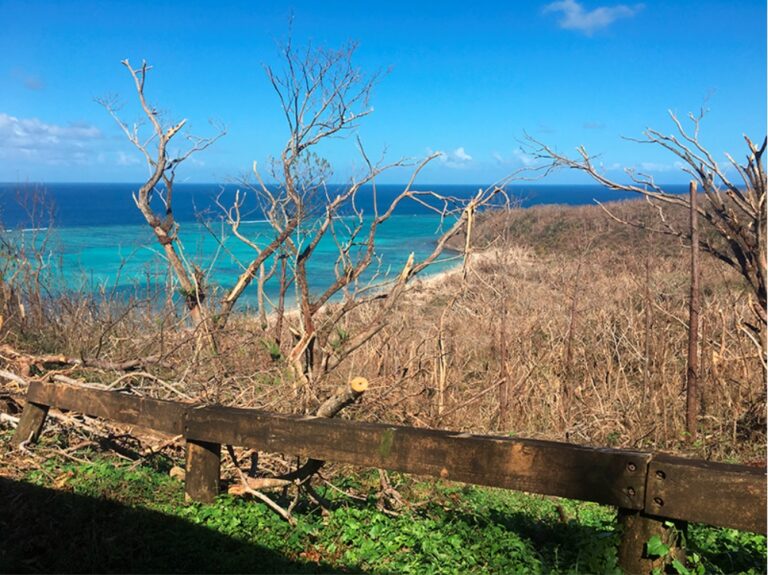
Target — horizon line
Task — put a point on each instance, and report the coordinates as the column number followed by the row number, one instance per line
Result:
column 331, row 184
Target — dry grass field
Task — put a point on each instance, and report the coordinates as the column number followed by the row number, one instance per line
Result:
column 564, row 325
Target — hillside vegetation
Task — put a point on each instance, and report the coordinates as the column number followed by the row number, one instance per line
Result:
column 565, row 325
column 562, row 324
column 569, row 325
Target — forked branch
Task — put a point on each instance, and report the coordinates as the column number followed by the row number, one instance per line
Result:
column 735, row 210
column 162, row 169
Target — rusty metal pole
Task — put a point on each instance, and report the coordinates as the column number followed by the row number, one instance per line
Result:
column 692, row 391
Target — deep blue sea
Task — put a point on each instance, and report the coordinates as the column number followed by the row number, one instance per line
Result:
column 97, row 239
column 89, row 205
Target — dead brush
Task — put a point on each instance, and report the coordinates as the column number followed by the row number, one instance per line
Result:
column 590, row 349
column 534, row 342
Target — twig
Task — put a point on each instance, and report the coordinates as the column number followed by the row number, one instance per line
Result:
column 285, row 514
column 12, row 377
column 9, row 419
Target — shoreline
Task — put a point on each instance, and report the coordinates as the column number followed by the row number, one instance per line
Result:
column 128, row 276
column 429, row 281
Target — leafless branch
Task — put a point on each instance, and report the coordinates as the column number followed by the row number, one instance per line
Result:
column 734, row 211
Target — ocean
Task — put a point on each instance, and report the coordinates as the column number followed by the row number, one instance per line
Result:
column 96, row 239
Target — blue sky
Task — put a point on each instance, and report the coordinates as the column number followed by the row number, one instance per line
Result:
column 466, row 78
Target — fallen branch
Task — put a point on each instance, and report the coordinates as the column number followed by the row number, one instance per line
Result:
column 151, row 451
column 326, row 504
column 343, row 397
column 342, row 492
column 9, row 420
column 389, row 500
column 52, row 361
column 147, row 375
column 244, row 488
column 10, row 376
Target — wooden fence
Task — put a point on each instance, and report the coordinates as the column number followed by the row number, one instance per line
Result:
column 648, row 488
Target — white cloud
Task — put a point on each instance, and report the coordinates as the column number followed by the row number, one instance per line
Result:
column 518, row 158
column 658, row 167
column 576, row 17
column 33, row 139
column 458, row 158
column 525, row 159
column 123, row 159
column 460, row 154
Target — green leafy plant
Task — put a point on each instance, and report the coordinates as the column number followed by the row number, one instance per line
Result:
column 449, row 528
column 656, row 548
column 272, row 348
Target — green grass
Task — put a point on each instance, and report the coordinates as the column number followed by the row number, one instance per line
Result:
column 108, row 516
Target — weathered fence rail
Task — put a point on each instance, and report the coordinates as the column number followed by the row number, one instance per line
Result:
column 647, row 488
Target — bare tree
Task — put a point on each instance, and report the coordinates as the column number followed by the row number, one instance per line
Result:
column 735, row 210
column 162, row 165
column 323, row 96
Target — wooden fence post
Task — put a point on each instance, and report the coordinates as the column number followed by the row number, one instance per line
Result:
column 637, row 528
column 203, row 467
column 31, row 423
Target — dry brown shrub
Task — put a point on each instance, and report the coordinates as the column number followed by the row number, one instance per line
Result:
column 583, row 320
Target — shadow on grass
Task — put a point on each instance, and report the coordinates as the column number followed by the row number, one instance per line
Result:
column 558, row 545
column 44, row 530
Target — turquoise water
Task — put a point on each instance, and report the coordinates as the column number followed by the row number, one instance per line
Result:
column 127, row 258
column 99, row 241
